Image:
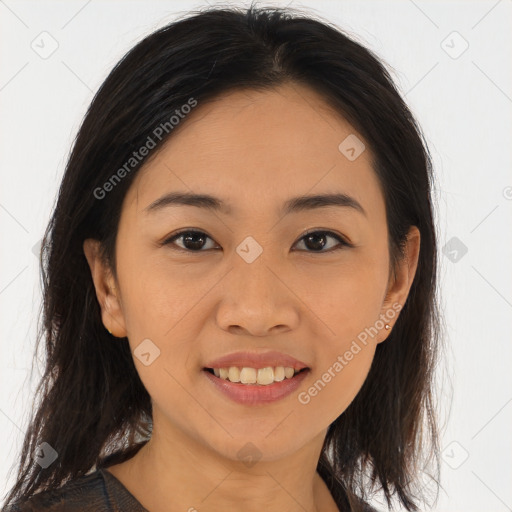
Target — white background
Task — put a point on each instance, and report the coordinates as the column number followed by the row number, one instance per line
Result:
column 464, row 106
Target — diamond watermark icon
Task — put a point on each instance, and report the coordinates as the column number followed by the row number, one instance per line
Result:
column 45, row 455
column 455, row 455
column 352, row 147
column 454, row 45
column 249, row 249
column 455, row 249
column 36, row 248
column 146, row 352
column 249, row 454
column 45, row 45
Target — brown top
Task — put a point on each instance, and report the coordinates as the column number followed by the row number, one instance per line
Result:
column 99, row 491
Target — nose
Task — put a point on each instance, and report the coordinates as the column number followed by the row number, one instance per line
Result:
column 257, row 300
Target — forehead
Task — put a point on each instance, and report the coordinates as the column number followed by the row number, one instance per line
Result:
column 258, row 148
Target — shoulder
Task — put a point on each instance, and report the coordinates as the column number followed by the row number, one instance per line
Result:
column 94, row 492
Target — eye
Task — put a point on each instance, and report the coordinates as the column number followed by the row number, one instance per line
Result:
column 194, row 241
column 317, row 241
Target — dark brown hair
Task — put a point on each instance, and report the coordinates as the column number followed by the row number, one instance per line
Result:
column 93, row 408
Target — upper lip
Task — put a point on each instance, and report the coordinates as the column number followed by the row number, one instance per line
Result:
column 256, row 360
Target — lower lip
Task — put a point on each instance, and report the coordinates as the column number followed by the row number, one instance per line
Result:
column 254, row 394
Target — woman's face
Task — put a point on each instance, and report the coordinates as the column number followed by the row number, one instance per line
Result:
column 251, row 281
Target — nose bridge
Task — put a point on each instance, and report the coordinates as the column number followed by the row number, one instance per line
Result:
column 253, row 297
column 251, row 266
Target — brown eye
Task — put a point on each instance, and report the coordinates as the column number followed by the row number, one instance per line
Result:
column 314, row 241
column 192, row 241
column 318, row 240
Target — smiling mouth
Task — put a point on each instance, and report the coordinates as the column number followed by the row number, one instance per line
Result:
column 255, row 376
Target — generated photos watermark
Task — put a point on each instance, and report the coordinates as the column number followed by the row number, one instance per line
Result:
column 137, row 156
column 304, row 397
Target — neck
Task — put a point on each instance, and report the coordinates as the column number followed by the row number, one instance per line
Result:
column 174, row 472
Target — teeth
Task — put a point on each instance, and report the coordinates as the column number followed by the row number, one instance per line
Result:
column 248, row 375
column 261, row 376
column 234, row 374
column 288, row 372
column 279, row 373
column 266, row 376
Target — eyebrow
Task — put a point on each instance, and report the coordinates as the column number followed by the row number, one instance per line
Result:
column 293, row 205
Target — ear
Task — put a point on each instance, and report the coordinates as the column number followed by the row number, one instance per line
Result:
column 400, row 282
column 106, row 292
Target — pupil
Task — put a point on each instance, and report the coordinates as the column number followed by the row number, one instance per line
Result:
column 313, row 237
column 191, row 236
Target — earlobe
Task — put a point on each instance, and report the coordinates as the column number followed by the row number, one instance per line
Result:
column 401, row 282
column 384, row 333
column 106, row 292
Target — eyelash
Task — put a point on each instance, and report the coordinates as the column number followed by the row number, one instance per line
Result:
column 343, row 242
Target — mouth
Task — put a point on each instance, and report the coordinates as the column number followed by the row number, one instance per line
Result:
column 247, row 376
column 253, row 387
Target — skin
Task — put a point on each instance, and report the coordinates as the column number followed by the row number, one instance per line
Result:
column 255, row 150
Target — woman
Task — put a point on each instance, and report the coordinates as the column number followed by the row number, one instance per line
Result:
column 239, row 281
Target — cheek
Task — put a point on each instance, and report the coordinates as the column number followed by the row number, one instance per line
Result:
column 154, row 300
column 348, row 305
column 337, row 380
column 346, row 298
column 160, row 307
